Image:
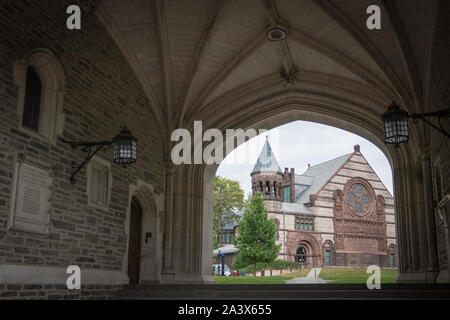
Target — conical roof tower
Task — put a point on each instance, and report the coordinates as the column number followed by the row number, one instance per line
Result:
column 266, row 163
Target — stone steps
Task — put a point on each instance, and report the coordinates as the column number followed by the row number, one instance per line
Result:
column 284, row 292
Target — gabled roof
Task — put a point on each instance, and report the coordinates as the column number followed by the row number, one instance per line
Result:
column 320, row 174
column 295, row 208
column 266, row 161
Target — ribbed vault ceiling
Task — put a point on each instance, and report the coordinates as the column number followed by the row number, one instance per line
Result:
column 189, row 54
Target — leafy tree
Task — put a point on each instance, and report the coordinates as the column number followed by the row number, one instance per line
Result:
column 256, row 235
column 228, row 204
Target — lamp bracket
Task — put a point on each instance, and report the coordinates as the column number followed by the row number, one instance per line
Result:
column 87, row 147
column 440, row 114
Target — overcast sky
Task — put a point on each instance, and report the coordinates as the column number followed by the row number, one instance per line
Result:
column 298, row 143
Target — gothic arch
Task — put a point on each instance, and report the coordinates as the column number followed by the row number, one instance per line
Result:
column 150, row 236
column 53, row 86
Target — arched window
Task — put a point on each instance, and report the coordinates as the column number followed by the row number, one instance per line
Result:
column 274, row 190
column 267, row 188
column 41, row 83
column 32, row 103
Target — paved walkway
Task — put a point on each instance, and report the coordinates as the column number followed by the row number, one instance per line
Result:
column 311, row 277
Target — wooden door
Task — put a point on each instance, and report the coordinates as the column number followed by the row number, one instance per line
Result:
column 134, row 246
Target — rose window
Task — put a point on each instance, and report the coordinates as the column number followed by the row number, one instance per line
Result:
column 358, row 198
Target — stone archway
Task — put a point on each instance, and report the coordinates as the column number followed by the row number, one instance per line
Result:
column 150, row 235
column 311, row 245
column 234, row 82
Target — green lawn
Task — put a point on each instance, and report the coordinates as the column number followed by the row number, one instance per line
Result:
column 355, row 275
column 251, row 280
column 333, row 275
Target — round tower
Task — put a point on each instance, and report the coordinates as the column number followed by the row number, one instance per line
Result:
column 266, row 175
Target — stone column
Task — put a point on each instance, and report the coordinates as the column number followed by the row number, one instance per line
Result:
column 167, row 270
column 411, row 208
column 433, row 267
column 444, row 215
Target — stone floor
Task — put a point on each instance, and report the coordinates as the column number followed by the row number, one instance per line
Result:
column 302, row 291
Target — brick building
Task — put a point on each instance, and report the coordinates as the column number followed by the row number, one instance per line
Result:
column 335, row 213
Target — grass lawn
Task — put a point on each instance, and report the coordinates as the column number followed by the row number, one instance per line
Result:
column 261, row 280
column 333, row 275
column 355, row 275
column 294, row 274
column 251, row 280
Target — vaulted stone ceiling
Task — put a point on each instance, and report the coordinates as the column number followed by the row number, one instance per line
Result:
column 190, row 54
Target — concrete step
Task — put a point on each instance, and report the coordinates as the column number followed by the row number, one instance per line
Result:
column 284, row 292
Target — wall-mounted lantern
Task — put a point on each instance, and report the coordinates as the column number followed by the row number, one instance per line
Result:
column 395, row 123
column 124, row 150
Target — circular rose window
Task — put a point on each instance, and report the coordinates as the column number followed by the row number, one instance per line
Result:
column 358, row 198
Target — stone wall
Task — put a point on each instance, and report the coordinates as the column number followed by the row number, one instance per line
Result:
column 439, row 91
column 102, row 95
column 56, row 292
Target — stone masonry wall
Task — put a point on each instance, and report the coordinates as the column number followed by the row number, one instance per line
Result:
column 440, row 99
column 102, row 95
column 56, row 292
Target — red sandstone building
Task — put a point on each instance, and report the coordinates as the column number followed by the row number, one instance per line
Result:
column 335, row 213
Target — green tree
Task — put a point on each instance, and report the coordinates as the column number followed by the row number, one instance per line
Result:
column 256, row 235
column 228, row 204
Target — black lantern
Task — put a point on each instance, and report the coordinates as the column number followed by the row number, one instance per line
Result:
column 124, row 150
column 395, row 124
column 124, row 145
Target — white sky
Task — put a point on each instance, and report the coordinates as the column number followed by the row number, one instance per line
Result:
column 298, row 143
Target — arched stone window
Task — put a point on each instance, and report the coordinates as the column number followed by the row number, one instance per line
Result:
column 275, row 190
column 41, row 84
column 267, row 188
column 32, row 103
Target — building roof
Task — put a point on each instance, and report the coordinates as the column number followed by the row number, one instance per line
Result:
column 295, row 208
column 319, row 175
column 266, row 161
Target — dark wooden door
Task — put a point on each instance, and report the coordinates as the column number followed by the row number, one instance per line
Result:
column 134, row 246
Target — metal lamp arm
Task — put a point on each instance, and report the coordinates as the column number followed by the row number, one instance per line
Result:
column 440, row 114
column 85, row 147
